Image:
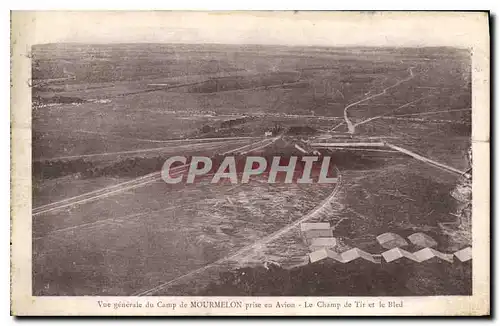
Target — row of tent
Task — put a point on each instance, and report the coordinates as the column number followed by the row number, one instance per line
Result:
column 389, row 255
column 319, row 237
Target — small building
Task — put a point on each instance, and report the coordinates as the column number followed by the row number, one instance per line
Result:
column 356, row 253
column 464, row 254
column 268, row 134
column 422, row 240
column 429, row 253
column 314, row 226
column 322, row 254
column 320, row 243
column 397, row 253
column 311, row 234
column 345, row 257
column 391, row 240
column 315, row 230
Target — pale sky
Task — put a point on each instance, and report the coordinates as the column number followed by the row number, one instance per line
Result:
column 282, row 28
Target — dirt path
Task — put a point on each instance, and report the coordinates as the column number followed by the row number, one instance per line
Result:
column 128, row 185
column 392, row 111
column 194, row 145
column 431, row 113
column 350, row 126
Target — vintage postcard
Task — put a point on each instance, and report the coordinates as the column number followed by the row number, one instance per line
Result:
column 172, row 163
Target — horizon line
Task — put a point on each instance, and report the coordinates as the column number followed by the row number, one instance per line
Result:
column 340, row 46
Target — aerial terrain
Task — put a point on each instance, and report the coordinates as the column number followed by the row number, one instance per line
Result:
column 105, row 117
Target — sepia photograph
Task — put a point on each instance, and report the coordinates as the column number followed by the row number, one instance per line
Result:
column 165, row 155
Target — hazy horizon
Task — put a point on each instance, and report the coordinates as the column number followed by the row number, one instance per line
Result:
column 310, row 29
column 362, row 47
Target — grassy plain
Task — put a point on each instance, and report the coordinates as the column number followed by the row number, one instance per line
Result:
column 99, row 112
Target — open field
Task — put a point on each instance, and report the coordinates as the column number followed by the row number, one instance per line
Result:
column 108, row 115
column 394, row 197
column 144, row 235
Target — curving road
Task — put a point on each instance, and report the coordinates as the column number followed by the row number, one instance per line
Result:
column 350, row 126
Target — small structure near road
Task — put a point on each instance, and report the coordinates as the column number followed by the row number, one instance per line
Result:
column 311, row 234
column 312, row 231
column 314, row 226
column 322, row 254
column 318, row 235
column 320, row 243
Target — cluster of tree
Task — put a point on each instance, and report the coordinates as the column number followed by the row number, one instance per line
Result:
column 301, row 130
column 228, row 124
column 233, row 122
column 209, row 131
column 207, row 128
